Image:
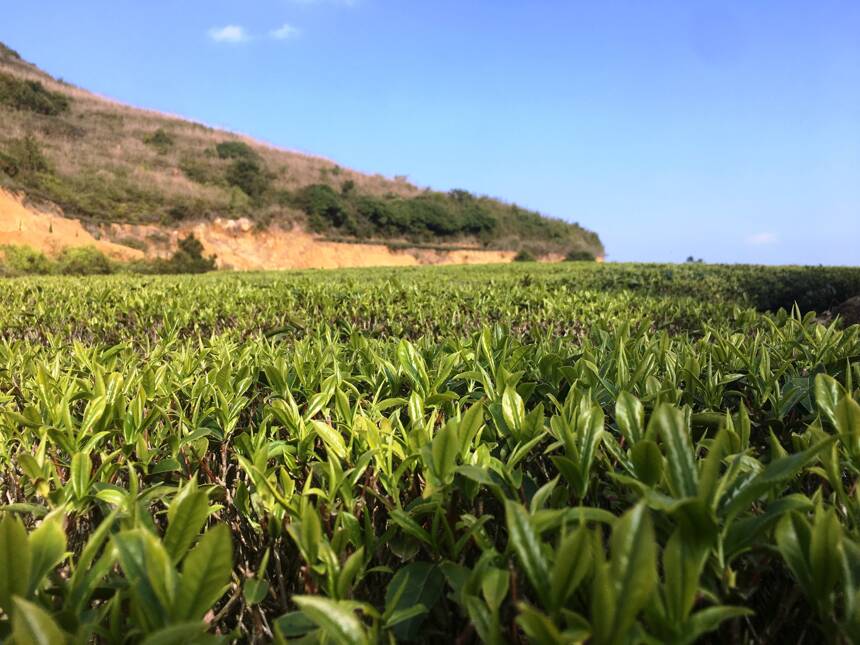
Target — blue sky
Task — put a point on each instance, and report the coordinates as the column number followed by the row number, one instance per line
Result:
column 725, row 130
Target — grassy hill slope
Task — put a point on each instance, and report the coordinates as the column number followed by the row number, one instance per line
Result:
column 103, row 162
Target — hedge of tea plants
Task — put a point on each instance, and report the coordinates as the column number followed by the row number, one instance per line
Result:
column 546, row 454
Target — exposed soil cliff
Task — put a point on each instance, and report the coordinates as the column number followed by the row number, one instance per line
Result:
column 237, row 244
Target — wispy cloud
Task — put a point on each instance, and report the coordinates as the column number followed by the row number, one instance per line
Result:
column 285, row 32
column 761, row 239
column 229, row 34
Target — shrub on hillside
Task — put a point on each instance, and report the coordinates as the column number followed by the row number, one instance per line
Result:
column 189, row 257
column 8, row 52
column 235, row 150
column 193, row 209
column 160, row 140
column 25, row 260
column 579, row 256
column 83, row 260
column 249, row 177
column 324, row 207
column 239, row 200
column 384, row 220
column 201, row 171
column 23, row 156
column 419, row 218
column 86, row 260
column 31, row 96
column 524, row 256
column 132, row 243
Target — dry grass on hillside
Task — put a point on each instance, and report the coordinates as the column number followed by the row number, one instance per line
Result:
column 104, row 137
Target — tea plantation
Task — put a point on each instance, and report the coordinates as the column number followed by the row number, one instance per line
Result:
column 509, row 454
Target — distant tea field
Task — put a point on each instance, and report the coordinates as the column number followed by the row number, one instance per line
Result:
column 516, row 453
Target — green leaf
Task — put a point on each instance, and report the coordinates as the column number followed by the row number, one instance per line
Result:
column 745, row 532
column 93, row 414
column 632, row 568
column 825, row 552
column 494, row 587
column 331, row 438
column 572, row 563
column 255, row 590
column 32, row 625
column 526, row 544
column 538, row 626
column 647, row 461
column 772, row 476
column 569, row 469
column 603, row 603
column 192, row 633
column 85, row 575
column 482, row 620
column 413, row 364
column 513, row 410
column 410, row 526
column 682, row 565
column 697, row 522
column 47, row 549
column 402, row 615
column 205, row 574
column 589, row 436
column 337, row 621
column 293, row 624
column 483, row 476
column 629, row 415
column 793, row 537
column 351, row 568
column 470, row 425
column 445, row 448
column 14, row 561
column 310, row 533
column 828, row 391
column 80, row 470
column 552, row 518
column 150, row 574
column 709, row 475
column 672, row 428
column 416, row 583
column 187, row 517
column 707, row 620
column 847, row 421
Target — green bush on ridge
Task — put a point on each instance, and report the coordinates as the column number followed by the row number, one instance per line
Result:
column 24, row 94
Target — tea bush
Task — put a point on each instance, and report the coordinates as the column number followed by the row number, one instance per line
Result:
column 535, row 453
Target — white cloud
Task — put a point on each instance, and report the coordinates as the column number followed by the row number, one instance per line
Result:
column 761, row 239
column 285, row 32
column 229, row 34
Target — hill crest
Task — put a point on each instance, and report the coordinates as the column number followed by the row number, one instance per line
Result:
column 108, row 164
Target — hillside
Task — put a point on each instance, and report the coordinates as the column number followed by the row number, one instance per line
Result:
column 139, row 178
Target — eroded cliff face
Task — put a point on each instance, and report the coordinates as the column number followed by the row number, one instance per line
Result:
column 49, row 231
column 237, row 244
